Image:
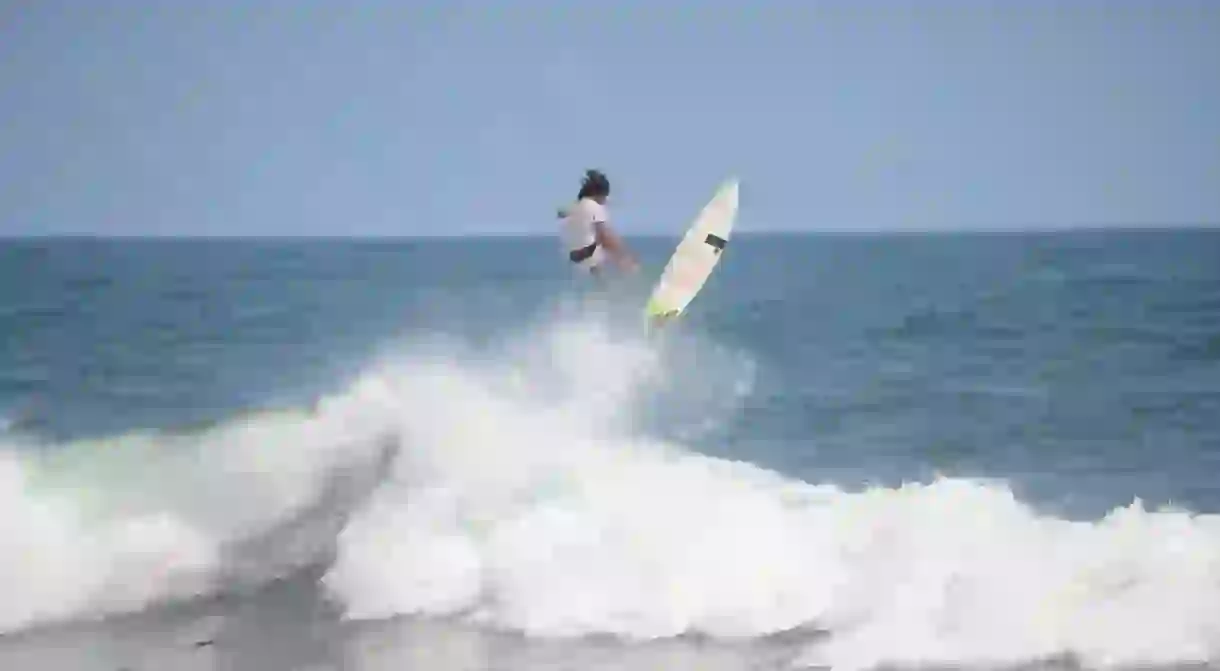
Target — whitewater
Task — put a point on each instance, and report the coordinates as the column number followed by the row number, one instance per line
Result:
column 535, row 486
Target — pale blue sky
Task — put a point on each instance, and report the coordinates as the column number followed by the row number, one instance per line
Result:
column 311, row 117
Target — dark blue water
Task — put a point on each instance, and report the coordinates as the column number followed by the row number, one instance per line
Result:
column 1081, row 369
column 1083, row 364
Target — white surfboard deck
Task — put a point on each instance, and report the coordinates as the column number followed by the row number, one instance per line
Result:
column 695, row 257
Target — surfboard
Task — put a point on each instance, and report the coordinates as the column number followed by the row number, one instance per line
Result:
column 695, row 257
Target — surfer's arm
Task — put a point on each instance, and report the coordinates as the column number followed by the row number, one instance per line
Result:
column 607, row 238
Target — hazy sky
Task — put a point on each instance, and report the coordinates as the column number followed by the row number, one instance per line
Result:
column 424, row 117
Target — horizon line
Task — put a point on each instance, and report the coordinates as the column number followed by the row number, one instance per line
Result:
column 537, row 235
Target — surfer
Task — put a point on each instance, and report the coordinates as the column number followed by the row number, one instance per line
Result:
column 586, row 232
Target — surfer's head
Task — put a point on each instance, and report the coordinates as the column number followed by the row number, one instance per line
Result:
column 595, row 186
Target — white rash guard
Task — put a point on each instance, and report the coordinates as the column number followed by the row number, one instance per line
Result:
column 577, row 233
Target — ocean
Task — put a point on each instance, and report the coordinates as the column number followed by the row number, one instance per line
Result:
column 855, row 451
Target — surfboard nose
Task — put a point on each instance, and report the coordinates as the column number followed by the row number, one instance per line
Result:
column 731, row 187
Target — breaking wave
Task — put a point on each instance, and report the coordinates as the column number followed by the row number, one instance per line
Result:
column 537, row 486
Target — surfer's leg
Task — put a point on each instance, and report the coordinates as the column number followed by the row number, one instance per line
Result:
column 593, row 265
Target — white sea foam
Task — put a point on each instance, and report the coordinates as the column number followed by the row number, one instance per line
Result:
column 539, row 509
column 531, row 491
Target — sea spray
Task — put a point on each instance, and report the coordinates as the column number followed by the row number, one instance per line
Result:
column 543, row 508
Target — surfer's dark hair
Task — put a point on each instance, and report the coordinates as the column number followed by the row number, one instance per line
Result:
column 595, row 184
